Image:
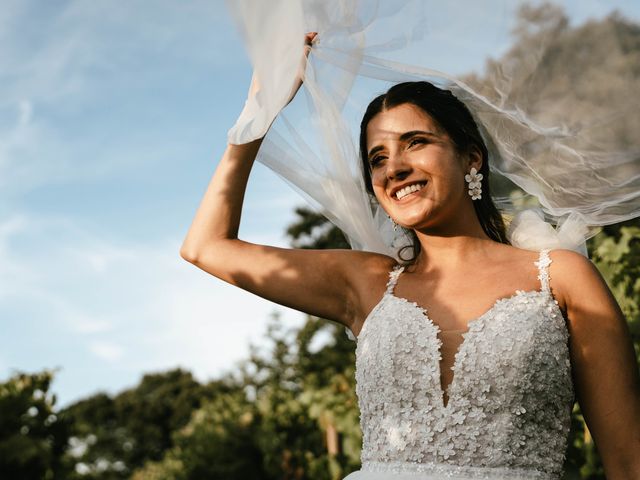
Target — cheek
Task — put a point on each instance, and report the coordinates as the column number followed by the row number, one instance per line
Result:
column 378, row 178
column 378, row 190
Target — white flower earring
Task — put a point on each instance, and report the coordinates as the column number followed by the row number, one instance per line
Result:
column 474, row 179
column 395, row 225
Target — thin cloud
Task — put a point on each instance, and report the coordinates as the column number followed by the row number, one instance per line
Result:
column 65, row 70
column 107, row 351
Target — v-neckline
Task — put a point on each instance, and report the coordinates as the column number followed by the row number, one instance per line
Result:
column 456, row 358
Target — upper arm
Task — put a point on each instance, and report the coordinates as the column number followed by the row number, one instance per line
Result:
column 323, row 283
column 604, row 364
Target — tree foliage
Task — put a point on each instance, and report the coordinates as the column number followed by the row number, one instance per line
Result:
column 293, row 414
column 33, row 436
column 112, row 436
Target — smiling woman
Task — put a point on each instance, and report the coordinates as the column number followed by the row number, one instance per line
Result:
column 471, row 353
column 428, row 120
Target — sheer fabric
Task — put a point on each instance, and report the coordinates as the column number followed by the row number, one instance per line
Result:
column 578, row 176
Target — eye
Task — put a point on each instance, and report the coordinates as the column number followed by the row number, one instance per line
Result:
column 417, row 141
column 375, row 160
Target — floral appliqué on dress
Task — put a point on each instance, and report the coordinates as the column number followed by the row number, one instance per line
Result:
column 509, row 402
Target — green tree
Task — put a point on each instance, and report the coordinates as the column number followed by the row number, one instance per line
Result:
column 306, row 398
column 33, row 436
column 219, row 442
column 113, row 436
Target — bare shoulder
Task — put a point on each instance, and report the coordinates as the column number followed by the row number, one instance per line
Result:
column 574, row 277
column 571, row 275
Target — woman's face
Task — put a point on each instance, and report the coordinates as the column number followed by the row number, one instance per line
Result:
column 406, row 148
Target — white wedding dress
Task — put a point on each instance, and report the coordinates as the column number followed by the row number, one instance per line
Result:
column 510, row 400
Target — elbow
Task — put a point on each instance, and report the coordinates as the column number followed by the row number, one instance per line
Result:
column 188, row 254
column 214, row 251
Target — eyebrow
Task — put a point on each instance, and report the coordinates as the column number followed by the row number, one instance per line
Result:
column 404, row 137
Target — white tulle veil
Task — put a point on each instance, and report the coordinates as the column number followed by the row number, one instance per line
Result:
column 576, row 176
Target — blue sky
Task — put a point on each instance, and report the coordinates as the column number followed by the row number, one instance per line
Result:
column 112, row 118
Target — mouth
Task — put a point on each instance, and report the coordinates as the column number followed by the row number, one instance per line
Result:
column 409, row 190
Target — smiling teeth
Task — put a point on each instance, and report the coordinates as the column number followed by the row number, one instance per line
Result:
column 403, row 192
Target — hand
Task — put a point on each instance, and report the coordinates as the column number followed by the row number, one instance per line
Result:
column 308, row 40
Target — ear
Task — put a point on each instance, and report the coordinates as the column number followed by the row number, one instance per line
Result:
column 474, row 158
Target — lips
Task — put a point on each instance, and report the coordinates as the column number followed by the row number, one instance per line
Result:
column 406, row 190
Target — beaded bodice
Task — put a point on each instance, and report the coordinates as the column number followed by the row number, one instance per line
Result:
column 510, row 398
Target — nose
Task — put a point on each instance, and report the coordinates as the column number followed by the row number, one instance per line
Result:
column 397, row 167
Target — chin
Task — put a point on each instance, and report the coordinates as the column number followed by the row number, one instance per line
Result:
column 414, row 221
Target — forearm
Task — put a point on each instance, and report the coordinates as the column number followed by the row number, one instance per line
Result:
column 218, row 216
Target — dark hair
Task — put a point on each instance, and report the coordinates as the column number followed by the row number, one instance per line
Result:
column 453, row 117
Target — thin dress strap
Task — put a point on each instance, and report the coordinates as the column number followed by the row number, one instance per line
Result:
column 543, row 270
column 391, row 283
column 393, row 278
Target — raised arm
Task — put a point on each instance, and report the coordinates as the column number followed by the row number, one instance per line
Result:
column 604, row 363
column 324, row 283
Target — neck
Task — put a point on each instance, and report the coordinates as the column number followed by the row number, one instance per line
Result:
column 449, row 251
column 458, row 245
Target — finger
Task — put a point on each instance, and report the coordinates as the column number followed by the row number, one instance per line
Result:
column 310, row 37
column 308, row 42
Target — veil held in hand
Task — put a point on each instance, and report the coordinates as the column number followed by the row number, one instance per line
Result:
column 563, row 144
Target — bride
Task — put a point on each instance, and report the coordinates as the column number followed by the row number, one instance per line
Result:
column 470, row 351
